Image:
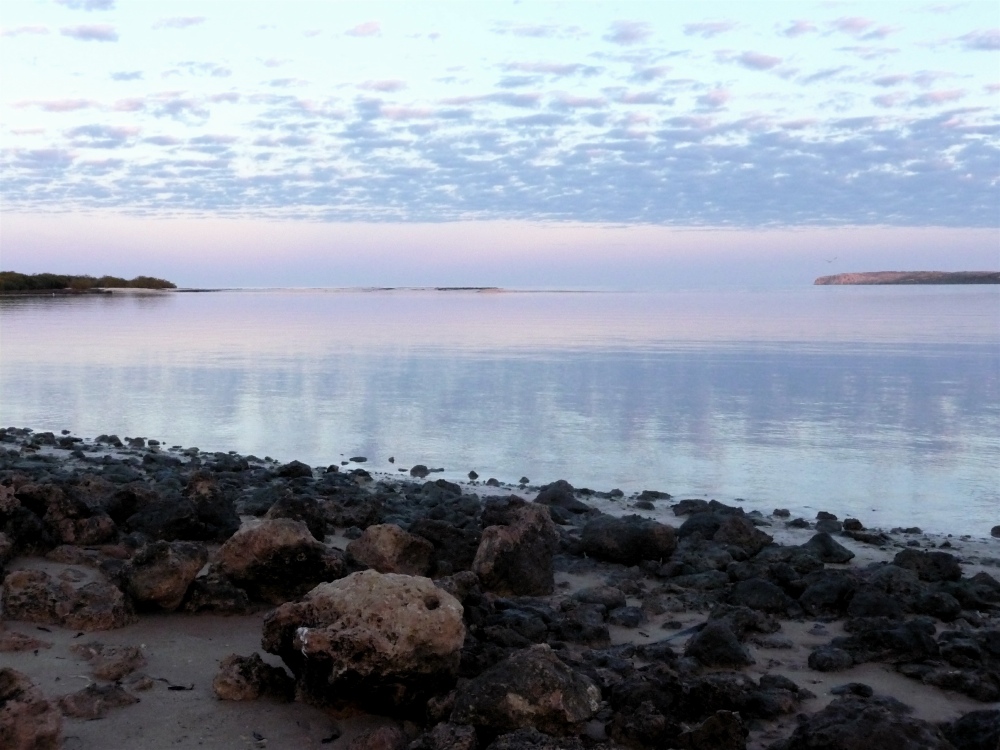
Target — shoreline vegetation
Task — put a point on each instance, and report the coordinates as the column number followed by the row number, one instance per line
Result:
column 910, row 277
column 225, row 601
column 12, row 282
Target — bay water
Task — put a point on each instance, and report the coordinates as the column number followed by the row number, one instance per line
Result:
column 881, row 403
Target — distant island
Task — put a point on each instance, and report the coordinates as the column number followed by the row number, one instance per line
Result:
column 912, row 277
column 12, row 282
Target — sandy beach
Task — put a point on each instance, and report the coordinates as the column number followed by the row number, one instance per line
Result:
column 620, row 608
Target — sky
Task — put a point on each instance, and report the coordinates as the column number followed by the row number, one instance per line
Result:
column 535, row 144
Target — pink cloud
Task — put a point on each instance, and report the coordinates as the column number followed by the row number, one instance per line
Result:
column 180, row 22
column 708, row 29
column 855, row 26
column 889, row 100
column 228, row 96
column 758, row 61
column 992, row 88
column 798, row 28
column 129, row 105
column 407, row 113
column 385, row 85
column 575, row 102
column 91, row 33
column 59, row 105
column 18, row 30
column 985, row 39
column 368, row 28
column 938, row 97
column 715, row 98
column 628, row 32
column 891, row 80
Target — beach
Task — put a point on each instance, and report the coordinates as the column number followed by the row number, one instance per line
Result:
column 683, row 622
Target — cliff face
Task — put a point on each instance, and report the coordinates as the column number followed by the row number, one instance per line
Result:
column 912, row 277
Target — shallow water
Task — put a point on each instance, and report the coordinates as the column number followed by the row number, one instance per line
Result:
column 877, row 402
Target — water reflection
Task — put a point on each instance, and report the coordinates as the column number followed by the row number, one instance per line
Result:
column 811, row 401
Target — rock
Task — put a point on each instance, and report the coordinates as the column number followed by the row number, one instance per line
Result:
column 382, row 738
column 278, row 560
column 158, row 575
column 454, row 547
column 293, row 470
column 853, row 688
column 379, row 639
column 628, row 540
column 419, row 471
column 531, row 688
column 35, row 596
column 756, row 593
column 247, row 678
column 853, row 723
column 559, row 494
column 716, row 645
column 607, row 596
column 388, row 549
column 28, row 720
column 447, row 736
column 12, row 642
column 827, row 549
column 215, row 593
column 204, row 516
column 738, row 531
column 830, row 659
column 110, row 662
column 995, row 532
column 889, row 641
column 516, row 559
column 300, row 508
column 723, row 730
column 977, row 730
column 94, row 701
column 932, row 566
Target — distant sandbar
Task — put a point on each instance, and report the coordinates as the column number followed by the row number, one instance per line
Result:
column 912, row 277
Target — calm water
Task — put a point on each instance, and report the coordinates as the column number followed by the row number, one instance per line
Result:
column 878, row 402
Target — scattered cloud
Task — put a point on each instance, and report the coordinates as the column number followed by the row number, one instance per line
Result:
column 825, row 74
column 798, row 28
column 179, row 22
column 101, row 136
column 984, row 39
column 555, row 69
column 932, row 98
column 129, row 105
column 91, row 33
column 58, row 105
column 384, row 85
column 368, row 28
column 127, row 75
column 890, row 100
column 862, row 28
column 715, row 99
column 628, row 32
column 88, row 4
column 537, row 31
column 891, row 80
column 868, row 52
column 708, row 29
column 19, row 30
column 758, row 61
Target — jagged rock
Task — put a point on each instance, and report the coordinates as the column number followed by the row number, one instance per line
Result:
column 454, row 547
column 94, row 701
column 531, row 688
column 300, row 508
column 215, row 593
column 756, row 593
column 278, row 560
column 388, row 549
column 383, row 738
column 247, row 678
column 11, row 641
column 447, row 736
column 738, row 531
column 559, row 494
column 628, row 540
column 912, row 640
column 830, row 659
column 294, row 469
column 158, row 575
column 930, row 566
column 716, row 645
column 723, row 730
column 516, row 559
column 853, row 723
column 110, row 662
column 977, row 730
column 379, row 639
column 827, row 549
column 35, row 596
column 28, row 720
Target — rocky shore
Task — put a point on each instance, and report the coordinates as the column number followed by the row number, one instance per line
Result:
column 910, row 277
column 216, row 600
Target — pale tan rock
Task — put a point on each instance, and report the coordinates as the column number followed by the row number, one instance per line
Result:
column 110, row 662
column 94, row 701
column 160, row 572
column 12, row 641
column 387, row 548
column 247, row 678
column 35, row 596
column 28, row 720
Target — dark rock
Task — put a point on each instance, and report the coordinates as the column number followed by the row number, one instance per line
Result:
column 912, row 640
column 247, row 678
column 977, row 730
column 94, row 701
column 158, row 575
column 830, row 659
column 853, row 688
column 531, row 688
column 759, row 594
column 827, row 549
column 689, row 506
column 738, row 531
column 454, row 547
column 607, row 596
column 559, row 494
column 723, row 730
column 388, row 549
column 294, row 469
column 628, row 540
column 716, row 645
column 853, row 723
column 387, row 737
column 930, row 566
column 873, row 603
column 939, row 604
column 627, row 617
column 853, row 524
column 419, row 471
column 447, row 736
column 28, row 720
column 517, row 558
column 300, row 508
column 216, row 593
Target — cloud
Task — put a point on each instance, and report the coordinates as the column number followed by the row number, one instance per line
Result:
column 88, row 4
column 563, row 101
column 984, row 39
column 129, row 105
column 19, row 30
column 862, row 28
column 508, row 98
column 889, row 100
column 933, row 98
column 868, row 52
column 162, row 140
column 715, row 99
column 708, row 29
column 537, row 31
column 758, row 61
column 891, row 80
column 127, row 75
column 228, row 96
column 555, row 69
column 823, row 75
column 368, row 28
column 798, row 28
column 383, row 85
column 102, row 136
column 58, row 105
column 179, row 22
column 628, row 32
column 91, row 33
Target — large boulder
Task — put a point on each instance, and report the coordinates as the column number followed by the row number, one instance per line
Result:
column 247, row 678
column 716, row 645
column 386, row 548
column 531, row 688
column 205, row 512
column 159, row 574
column 278, row 560
column 35, row 596
column 28, row 720
column 515, row 555
column 738, row 531
column 853, row 723
column 382, row 640
column 933, row 566
column 628, row 540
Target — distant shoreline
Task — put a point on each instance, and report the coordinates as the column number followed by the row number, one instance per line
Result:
column 910, row 277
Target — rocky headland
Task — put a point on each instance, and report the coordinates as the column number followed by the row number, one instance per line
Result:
column 911, row 277
column 216, row 600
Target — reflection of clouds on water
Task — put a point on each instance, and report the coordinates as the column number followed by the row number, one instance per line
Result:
column 907, row 428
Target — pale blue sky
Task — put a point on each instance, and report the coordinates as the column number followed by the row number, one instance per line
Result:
column 518, row 143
